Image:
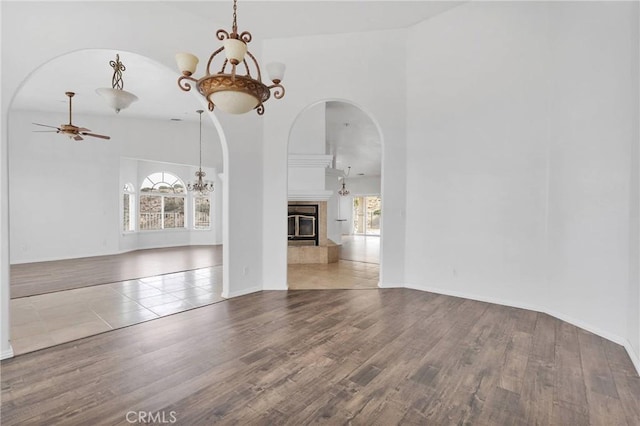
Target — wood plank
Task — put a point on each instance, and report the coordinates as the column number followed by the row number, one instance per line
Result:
column 392, row 356
column 29, row 279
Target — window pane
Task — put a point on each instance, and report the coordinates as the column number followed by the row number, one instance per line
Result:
column 150, row 212
column 202, row 211
column 173, row 212
column 126, row 225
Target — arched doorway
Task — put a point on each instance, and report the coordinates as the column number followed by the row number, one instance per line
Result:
column 335, row 163
column 65, row 195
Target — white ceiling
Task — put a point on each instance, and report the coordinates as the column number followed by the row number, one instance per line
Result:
column 353, row 139
column 155, row 84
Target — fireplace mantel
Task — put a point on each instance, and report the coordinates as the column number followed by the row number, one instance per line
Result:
column 309, row 195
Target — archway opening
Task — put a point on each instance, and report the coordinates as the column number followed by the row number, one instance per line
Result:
column 80, row 202
column 335, row 162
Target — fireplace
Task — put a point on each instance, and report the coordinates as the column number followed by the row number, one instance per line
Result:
column 303, row 223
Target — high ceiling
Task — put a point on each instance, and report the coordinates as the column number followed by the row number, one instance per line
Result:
column 354, row 140
column 159, row 97
column 194, row 25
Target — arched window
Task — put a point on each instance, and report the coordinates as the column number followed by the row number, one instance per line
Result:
column 161, row 202
column 128, row 208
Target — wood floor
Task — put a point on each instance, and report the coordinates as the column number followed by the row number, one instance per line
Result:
column 30, row 279
column 362, row 357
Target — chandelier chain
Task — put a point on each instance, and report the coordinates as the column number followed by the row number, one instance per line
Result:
column 234, row 28
column 200, row 112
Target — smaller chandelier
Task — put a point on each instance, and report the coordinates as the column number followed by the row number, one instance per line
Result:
column 232, row 92
column 116, row 96
column 344, row 191
column 201, row 186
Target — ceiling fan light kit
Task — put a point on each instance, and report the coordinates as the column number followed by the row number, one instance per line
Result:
column 115, row 96
column 229, row 91
column 73, row 132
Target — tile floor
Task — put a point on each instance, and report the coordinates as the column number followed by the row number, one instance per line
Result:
column 49, row 319
column 343, row 274
column 46, row 320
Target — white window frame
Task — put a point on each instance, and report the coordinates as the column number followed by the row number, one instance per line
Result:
column 129, row 189
column 170, row 180
column 195, row 212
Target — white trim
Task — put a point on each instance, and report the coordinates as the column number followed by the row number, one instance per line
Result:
column 7, row 354
column 310, row 160
column 391, row 285
column 282, row 287
column 309, row 195
column 635, row 359
column 241, row 292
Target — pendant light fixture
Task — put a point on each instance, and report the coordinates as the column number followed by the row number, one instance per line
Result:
column 229, row 91
column 344, row 191
column 116, row 96
column 201, row 186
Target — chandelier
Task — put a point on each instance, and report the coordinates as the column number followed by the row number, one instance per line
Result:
column 229, row 91
column 344, row 191
column 116, row 96
column 201, row 186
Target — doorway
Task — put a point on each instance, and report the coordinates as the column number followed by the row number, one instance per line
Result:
column 335, row 161
column 366, row 213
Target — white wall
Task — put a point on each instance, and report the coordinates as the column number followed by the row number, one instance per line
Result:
column 520, row 127
column 337, row 67
column 364, row 185
column 593, row 125
column 22, row 30
column 308, row 132
column 66, row 198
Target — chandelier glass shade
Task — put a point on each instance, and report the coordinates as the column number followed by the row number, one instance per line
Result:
column 200, row 186
column 226, row 89
column 115, row 96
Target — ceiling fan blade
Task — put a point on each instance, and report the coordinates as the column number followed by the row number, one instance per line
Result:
column 96, row 136
column 77, row 138
column 83, row 129
column 45, row 131
column 46, row 125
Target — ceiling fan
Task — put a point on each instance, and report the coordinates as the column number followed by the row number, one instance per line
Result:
column 74, row 132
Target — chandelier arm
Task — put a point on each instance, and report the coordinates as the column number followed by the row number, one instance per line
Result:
column 257, row 66
column 224, row 65
column 246, row 36
column 222, row 34
column 184, row 85
column 260, row 109
column 279, row 92
column 210, row 106
column 246, row 67
column 211, row 59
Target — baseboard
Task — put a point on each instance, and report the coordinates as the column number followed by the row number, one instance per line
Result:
column 242, row 292
column 276, row 287
column 391, row 285
column 7, row 354
column 635, row 359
